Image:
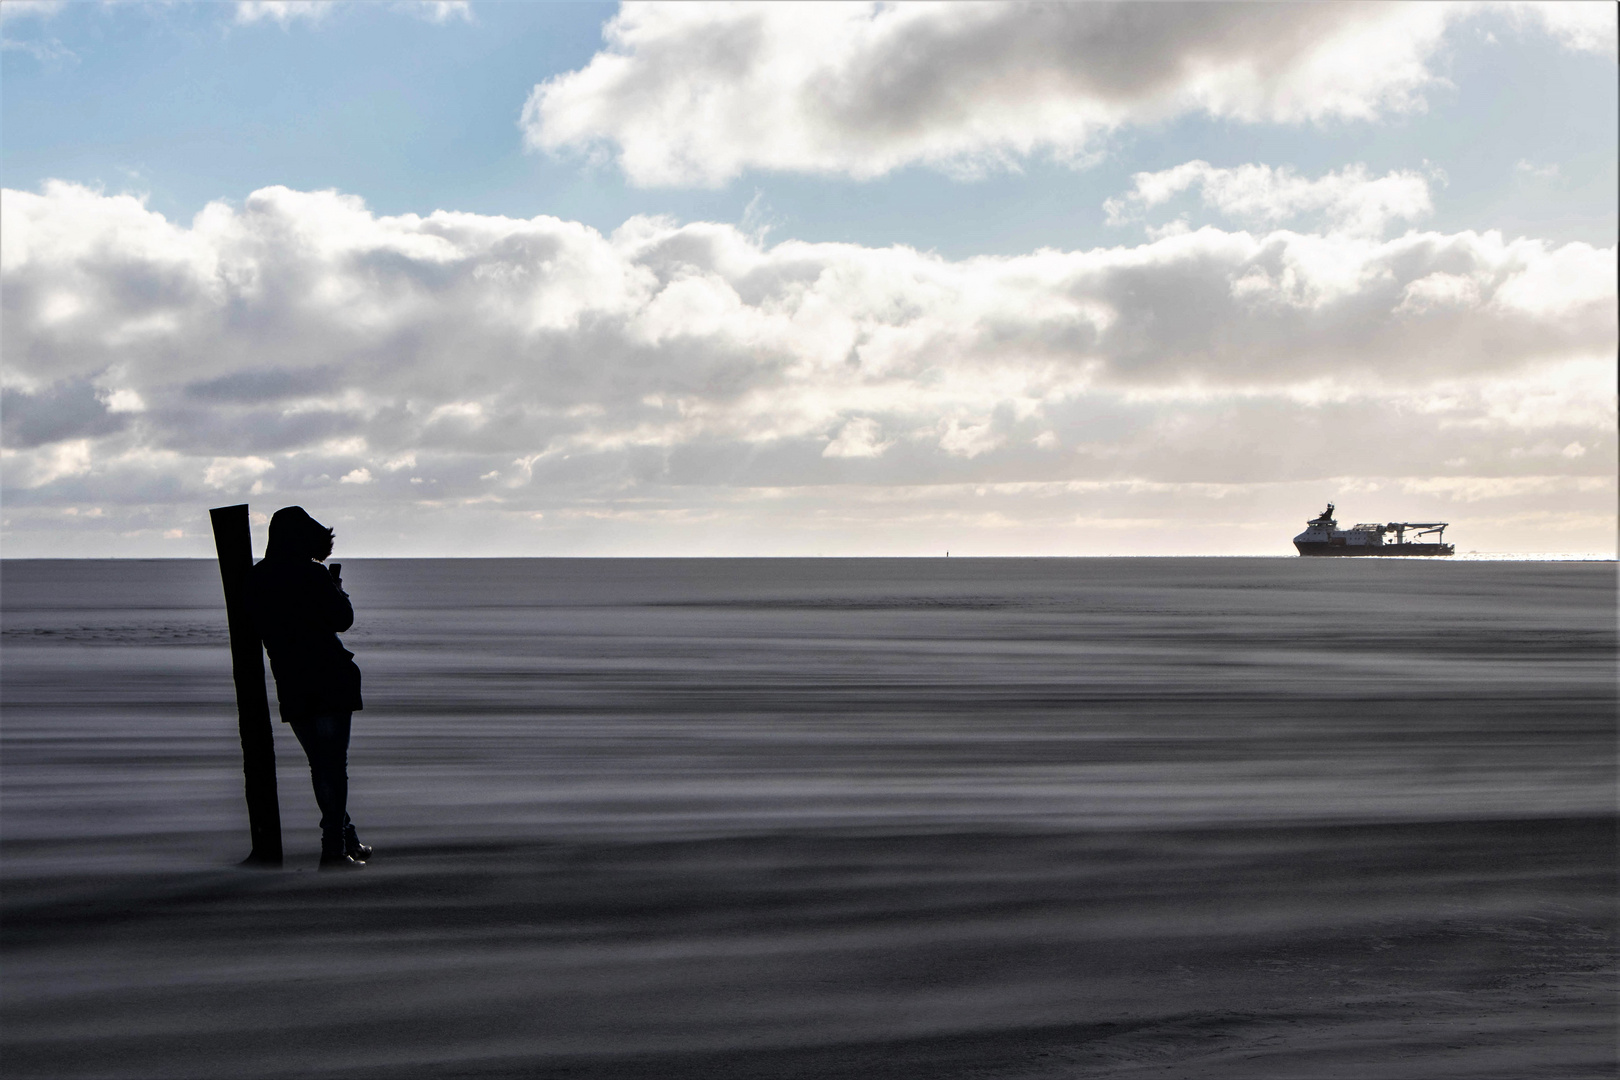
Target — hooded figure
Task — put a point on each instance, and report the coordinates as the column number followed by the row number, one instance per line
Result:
column 298, row 609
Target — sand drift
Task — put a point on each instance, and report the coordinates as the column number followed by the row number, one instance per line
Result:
column 830, row 818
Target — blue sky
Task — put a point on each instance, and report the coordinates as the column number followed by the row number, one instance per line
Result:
column 714, row 429
column 187, row 105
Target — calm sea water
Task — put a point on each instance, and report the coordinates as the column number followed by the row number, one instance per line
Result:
column 645, row 697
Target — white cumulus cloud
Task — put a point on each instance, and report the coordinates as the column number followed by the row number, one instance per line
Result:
column 695, row 94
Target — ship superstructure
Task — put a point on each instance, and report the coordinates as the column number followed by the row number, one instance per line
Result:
column 1322, row 536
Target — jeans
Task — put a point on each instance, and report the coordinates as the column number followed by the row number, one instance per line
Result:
column 325, row 739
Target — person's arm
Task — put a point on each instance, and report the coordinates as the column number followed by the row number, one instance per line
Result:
column 335, row 608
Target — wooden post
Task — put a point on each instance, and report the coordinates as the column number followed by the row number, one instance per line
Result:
column 235, row 546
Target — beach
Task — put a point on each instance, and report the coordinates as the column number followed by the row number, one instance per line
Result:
column 830, row 818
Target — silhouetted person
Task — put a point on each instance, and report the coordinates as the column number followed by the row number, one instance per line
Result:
column 298, row 608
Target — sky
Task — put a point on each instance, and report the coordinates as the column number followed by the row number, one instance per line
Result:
column 826, row 279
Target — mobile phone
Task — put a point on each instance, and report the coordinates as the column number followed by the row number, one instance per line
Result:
column 334, row 569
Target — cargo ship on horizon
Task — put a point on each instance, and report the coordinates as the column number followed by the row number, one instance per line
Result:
column 1322, row 536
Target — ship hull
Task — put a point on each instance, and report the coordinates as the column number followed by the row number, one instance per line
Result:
column 1369, row 549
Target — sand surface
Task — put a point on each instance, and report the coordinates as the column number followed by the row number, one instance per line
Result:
column 842, row 818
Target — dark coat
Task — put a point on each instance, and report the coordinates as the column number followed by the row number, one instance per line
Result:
column 298, row 610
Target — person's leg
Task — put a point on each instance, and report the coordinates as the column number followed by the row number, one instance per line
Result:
column 325, row 739
column 352, row 847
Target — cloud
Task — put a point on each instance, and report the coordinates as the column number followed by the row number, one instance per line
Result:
column 441, row 11
column 441, row 363
column 858, row 438
column 46, row 52
column 1539, row 172
column 56, row 461
column 232, row 474
column 284, row 12
column 1576, row 24
column 29, row 9
column 67, row 409
column 1345, row 201
column 1439, row 290
column 696, row 94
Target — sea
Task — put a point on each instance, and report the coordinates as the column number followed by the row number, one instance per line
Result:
column 829, row 817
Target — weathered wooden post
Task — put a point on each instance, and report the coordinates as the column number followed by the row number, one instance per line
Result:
column 234, row 543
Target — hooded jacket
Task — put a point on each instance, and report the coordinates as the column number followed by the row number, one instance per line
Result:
column 298, row 611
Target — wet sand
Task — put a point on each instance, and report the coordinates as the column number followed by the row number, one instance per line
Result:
column 1034, row 818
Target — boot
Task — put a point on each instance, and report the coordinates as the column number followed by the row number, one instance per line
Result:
column 352, row 847
column 333, row 857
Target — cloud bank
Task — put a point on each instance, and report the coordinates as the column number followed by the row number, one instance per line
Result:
column 695, row 94
column 302, row 348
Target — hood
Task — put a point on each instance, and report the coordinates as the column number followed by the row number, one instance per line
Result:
column 296, row 535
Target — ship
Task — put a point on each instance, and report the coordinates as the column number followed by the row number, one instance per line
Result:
column 1322, row 536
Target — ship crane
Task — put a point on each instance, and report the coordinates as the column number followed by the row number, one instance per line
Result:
column 1424, row 529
